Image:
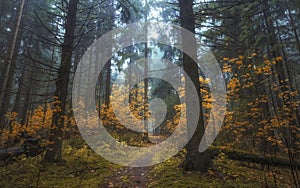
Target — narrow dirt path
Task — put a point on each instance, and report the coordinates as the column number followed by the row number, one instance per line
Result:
column 130, row 177
column 133, row 177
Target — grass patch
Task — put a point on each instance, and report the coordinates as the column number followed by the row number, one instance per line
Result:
column 225, row 173
column 82, row 168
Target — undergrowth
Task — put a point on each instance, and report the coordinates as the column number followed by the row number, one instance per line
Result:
column 81, row 167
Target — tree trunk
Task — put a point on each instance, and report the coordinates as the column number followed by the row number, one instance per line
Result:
column 194, row 159
column 282, row 78
column 53, row 152
column 294, row 27
column 9, row 69
column 146, row 83
column 107, row 83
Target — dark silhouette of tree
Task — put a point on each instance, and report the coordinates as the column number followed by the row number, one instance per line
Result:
column 194, row 159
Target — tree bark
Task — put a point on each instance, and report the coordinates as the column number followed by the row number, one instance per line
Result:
column 194, row 159
column 54, row 150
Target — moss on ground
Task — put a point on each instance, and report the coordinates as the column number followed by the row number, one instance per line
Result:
column 84, row 168
column 225, row 173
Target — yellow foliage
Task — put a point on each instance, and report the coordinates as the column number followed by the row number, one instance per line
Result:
column 278, row 58
column 226, row 68
column 234, row 83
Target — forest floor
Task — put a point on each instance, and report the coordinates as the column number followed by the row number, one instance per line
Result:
column 84, row 168
column 133, row 176
column 130, row 177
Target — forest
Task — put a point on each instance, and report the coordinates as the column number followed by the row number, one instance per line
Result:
column 149, row 93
